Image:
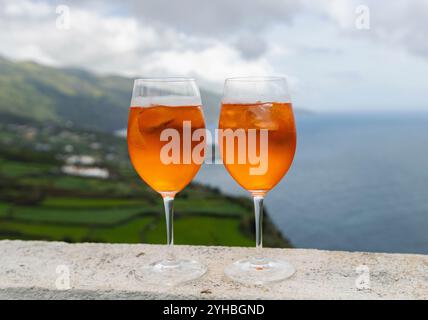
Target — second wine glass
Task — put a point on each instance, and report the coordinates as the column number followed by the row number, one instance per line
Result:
column 257, row 139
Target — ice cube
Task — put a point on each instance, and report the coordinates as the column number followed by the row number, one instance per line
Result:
column 231, row 118
column 260, row 117
column 134, row 135
column 154, row 119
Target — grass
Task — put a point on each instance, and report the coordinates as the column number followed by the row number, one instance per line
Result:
column 129, row 233
column 200, row 231
column 72, row 202
column 209, row 222
column 219, row 205
column 73, row 183
column 14, row 169
column 189, row 230
column 132, row 232
column 88, row 216
column 213, row 221
column 44, row 231
column 4, row 209
column 109, row 187
column 104, row 225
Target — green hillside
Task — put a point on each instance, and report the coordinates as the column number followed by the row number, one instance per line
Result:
column 31, row 91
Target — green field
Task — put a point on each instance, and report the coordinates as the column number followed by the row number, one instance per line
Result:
column 210, row 221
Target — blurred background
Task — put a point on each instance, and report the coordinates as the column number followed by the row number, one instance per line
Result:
column 357, row 75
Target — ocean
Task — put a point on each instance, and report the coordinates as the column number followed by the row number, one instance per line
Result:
column 359, row 182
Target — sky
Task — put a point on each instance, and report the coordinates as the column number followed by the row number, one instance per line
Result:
column 338, row 55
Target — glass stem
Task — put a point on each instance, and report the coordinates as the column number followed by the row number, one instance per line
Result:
column 258, row 215
column 168, row 202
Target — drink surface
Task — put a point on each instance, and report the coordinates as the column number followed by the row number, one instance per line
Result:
column 145, row 126
column 275, row 117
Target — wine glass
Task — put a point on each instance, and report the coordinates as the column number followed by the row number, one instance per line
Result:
column 257, row 139
column 166, row 143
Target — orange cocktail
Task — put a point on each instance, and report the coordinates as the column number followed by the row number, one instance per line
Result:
column 145, row 127
column 277, row 120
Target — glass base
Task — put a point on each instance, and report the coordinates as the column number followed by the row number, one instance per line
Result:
column 259, row 271
column 171, row 272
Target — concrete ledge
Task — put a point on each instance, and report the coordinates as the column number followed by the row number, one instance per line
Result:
column 28, row 270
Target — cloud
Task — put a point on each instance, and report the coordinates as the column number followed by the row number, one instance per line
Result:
column 405, row 24
column 213, row 63
column 399, row 24
column 25, row 8
column 215, row 18
column 346, row 76
column 229, row 21
column 143, row 27
column 318, row 50
column 119, row 44
column 251, row 46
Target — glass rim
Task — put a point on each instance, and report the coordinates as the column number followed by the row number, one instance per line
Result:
column 164, row 79
column 256, row 78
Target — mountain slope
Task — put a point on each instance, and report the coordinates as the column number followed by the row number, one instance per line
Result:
column 35, row 92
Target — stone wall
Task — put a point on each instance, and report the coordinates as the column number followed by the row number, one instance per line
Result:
column 56, row 270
